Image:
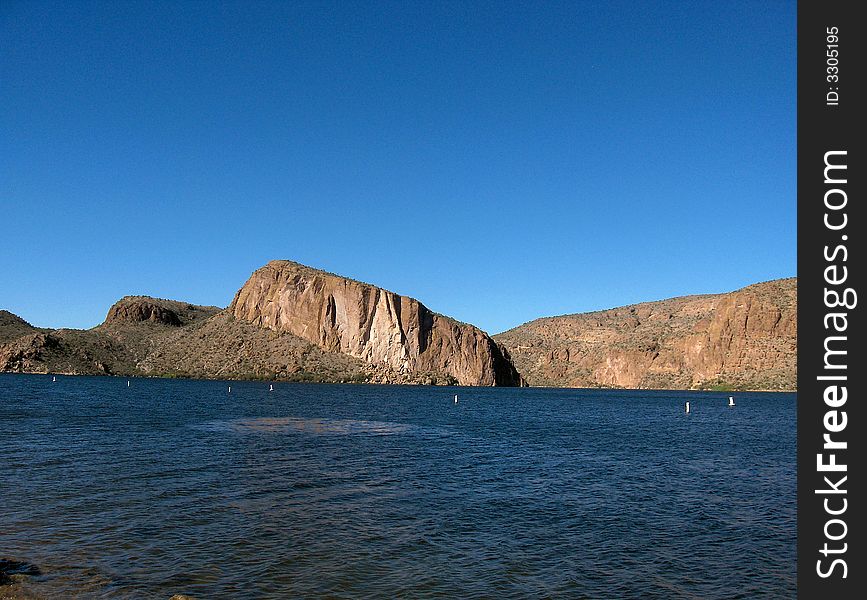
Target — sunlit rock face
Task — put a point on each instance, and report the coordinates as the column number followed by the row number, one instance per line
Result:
column 367, row 322
column 746, row 339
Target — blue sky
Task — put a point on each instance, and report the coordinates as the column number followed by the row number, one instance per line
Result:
column 499, row 162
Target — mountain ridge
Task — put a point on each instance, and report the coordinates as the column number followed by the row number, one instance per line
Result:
column 146, row 336
column 745, row 339
column 293, row 322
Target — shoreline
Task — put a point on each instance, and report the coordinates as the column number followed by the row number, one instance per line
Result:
column 413, row 385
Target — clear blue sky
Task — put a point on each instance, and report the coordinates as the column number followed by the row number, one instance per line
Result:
column 499, row 162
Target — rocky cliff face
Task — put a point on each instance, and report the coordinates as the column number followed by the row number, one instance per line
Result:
column 295, row 323
column 136, row 310
column 369, row 323
column 741, row 340
column 24, row 353
column 288, row 322
column 140, row 309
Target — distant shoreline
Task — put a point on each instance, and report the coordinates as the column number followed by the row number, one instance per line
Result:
column 294, row 323
column 411, row 385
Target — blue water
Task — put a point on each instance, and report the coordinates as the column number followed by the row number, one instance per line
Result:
column 169, row 487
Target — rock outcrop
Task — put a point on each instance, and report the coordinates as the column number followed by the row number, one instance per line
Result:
column 291, row 322
column 746, row 339
column 136, row 310
column 24, row 354
column 139, row 309
column 288, row 322
column 15, row 571
column 372, row 324
column 13, row 327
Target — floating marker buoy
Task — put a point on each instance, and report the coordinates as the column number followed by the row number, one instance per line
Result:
column 271, row 389
column 127, row 383
column 456, row 398
column 731, row 400
column 687, row 407
column 230, row 389
column 54, row 379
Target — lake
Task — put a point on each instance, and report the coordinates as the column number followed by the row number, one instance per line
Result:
column 182, row 487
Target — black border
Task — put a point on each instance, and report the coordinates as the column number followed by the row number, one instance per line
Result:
column 823, row 128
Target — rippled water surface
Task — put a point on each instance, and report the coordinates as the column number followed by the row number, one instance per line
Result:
column 169, row 487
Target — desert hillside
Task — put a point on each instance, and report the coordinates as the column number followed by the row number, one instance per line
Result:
column 288, row 322
column 746, row 339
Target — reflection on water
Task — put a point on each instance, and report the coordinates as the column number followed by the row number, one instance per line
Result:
column 309, row 425
column 171, row 487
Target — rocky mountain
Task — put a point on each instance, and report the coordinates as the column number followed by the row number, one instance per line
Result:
column 291, row 322
column 13, row 327
column 287, row 322
column 369, row 323
column 135, row 325
column 745, row 339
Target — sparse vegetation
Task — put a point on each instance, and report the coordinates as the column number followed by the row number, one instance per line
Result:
column 737, row 341
column 209, row 344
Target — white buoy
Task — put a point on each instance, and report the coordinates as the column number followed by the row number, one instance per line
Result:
column 54, row 379
column 271, row 389
column 230, row 389
column 731, row 400
column 456, row 398
column 127, row 383
column 687, row 407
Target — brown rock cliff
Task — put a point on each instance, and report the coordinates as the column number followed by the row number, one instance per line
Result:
column 741, row 340
column 369, row 323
